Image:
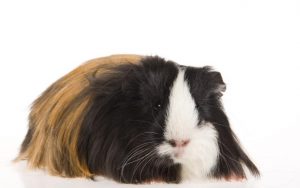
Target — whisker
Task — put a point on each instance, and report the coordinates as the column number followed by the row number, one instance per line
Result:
column 135, row 149
column 125, row 163
column 135, row 152
column 141, row 161
column 141, row 134
column 150, row 160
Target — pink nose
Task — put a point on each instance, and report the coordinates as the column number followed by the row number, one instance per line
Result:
column 178, row 143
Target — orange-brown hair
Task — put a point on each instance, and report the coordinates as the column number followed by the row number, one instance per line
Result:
column 56, row 117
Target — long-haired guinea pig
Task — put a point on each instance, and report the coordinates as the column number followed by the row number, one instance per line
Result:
column 135, row 119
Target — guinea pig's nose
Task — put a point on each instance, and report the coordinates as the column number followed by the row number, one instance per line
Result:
column 178, row 143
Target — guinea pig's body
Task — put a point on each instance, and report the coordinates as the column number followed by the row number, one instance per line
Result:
column 135, row 119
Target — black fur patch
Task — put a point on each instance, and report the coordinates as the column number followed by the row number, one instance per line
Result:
column 204, row 84
column 125, row 122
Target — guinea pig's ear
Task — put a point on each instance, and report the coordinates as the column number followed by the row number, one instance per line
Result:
column 218, row 85
column 215, row 81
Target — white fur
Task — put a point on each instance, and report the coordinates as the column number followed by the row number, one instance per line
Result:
column 200, row 155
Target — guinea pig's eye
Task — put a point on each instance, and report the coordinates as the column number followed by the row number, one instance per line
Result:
column 157, row 106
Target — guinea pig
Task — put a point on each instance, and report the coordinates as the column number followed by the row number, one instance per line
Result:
column 135, row 119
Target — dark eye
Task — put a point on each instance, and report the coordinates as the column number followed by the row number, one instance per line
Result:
column 157, row 106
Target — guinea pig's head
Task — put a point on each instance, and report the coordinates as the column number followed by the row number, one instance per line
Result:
column 157, row 120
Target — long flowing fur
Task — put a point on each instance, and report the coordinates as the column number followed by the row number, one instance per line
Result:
column 108, row 117
column 56, row 117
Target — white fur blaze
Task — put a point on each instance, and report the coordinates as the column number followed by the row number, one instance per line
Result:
column 200, row 155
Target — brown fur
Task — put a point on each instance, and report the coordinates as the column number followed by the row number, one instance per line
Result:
column 56, row 116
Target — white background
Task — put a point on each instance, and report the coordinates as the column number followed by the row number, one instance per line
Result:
column 255, row 44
